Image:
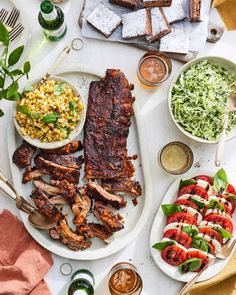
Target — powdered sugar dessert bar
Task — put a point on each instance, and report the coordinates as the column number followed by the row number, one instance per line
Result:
column 176, row 12
column 157, row 3
column 104, row 19
column 137, row 23
column 132, row 4
column 160, row 26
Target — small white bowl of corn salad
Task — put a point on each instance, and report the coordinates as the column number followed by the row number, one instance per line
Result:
column 50, row 114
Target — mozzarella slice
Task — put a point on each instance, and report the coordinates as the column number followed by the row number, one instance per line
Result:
column 175, row 225
column 209, row 255
column 214, row 242
column 177, row 244
column 221, row 200
column 192, row 212
column 195, row 197
column 217, row 211
column 205, row 223
column 204, row 184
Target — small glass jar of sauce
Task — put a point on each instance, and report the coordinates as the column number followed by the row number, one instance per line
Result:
column 176, row 158
column 154, row 68
column 125, row 280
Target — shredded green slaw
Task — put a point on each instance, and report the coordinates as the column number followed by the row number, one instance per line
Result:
column 199, row 99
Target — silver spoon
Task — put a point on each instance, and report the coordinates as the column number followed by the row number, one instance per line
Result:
column 35, row 218
column 231, row 107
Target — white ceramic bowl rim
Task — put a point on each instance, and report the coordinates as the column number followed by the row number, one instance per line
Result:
column 75, row 132
column 217, row 60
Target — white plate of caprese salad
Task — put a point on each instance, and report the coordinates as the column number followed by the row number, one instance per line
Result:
column 195, row 219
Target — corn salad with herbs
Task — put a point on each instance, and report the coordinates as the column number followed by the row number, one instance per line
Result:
column 49, row 112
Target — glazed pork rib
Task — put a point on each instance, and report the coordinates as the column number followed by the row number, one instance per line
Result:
column 29, row 175
column 125, row 185
column 95, row 191
column 81, row 208
column 109, row 112
column 44, row 205
column 95, row 230
column 68, row 237
column 71, row 147
column 57, row 171
column 64, row 160
column 107, row 217
column 46, row 187
column 23, row 155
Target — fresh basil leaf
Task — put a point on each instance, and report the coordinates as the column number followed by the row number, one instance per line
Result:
column 12, row 89
column 16, row 73
column 231, row 196
column 28, row 87
column 1, row 113
column 15, row 56
column 162, row 245
column 36, row 115
column 27, row 67
column 220, row 180
column 200, row 204
column 186, row 182
column 224, row 233
column 214, row 204
column 73, row 108
column 24, row 110
column 201, row 244
column 169, row 209
column 50, row 118
column 1, row 82
column 191, row 264
column 191, row 230
column 59, row 89
column 4, row 35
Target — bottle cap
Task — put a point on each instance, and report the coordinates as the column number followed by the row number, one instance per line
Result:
column 77, row 44
column 66, row 269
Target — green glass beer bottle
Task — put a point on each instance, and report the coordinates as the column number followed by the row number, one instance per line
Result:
column 51, row 18
column 82, row 283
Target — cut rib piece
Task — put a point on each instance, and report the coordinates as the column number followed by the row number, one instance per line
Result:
column 81, row 208
column 64, row 160
column 95, row 191
column 128, row 186
column 72, row 147
column 23, row 155
column 68, row 190
column 29, row 175
column 44, row 205
column 46, row 187
column 57, row 171
column 95, row 230
column 107, row 125
column 107, row 217
column 68, row 237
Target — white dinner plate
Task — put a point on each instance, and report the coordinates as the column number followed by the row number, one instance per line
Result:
column 135, row 217
column 157, row 231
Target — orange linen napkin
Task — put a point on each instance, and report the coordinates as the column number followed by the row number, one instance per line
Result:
column 227, row 11
column 23, row 262
column 222, row 284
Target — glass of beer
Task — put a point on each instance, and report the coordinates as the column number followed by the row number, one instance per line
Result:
column 124, row 279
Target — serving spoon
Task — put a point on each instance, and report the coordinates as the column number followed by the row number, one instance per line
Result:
column 35, row 218
column 231, row 107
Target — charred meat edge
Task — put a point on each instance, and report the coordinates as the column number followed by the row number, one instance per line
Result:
column 71, row 147
column 64, row 160
column 81, row 208
column 95, row 191
column 46, row 187
column 23, row 155
column 95, row 230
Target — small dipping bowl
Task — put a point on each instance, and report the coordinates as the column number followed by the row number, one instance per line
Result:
column 154, row 68
column 176, row 158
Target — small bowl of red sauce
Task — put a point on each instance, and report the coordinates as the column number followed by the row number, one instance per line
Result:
column 154, row 68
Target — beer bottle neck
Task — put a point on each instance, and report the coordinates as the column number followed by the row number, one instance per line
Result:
column 51, row 15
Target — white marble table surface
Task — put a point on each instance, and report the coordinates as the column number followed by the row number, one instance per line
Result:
column 159, row 128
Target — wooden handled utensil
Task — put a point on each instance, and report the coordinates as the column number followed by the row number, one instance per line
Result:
column 231, row 107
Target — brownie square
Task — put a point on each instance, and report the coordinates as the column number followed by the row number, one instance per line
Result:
column 132, row 4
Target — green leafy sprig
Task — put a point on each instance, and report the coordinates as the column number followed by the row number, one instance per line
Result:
column 7, row 60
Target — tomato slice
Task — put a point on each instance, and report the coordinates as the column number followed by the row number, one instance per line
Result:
column 179, row 236
column 211, row 233
column 187, row 203
column 174, row 255
column 224, row 221
column 232, row 202
column 205, row 178
column 230, row 189
column 183, row 217
column 194, row 189
column 197, row 254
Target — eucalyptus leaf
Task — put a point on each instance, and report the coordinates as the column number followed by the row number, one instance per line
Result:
column 27, row 67
column 3, row 94
column 15, row 56
column 186, row 182
column 220, row 180
column 12, row 89
column 14, row 97
column 1, row 82
column 16, row 73
column 191, row 264
column 169, row 209
column 4, row 35
column 162, row 245
column 1, row 113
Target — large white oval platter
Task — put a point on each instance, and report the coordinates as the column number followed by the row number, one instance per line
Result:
column 157, row 231
column 135, row 217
